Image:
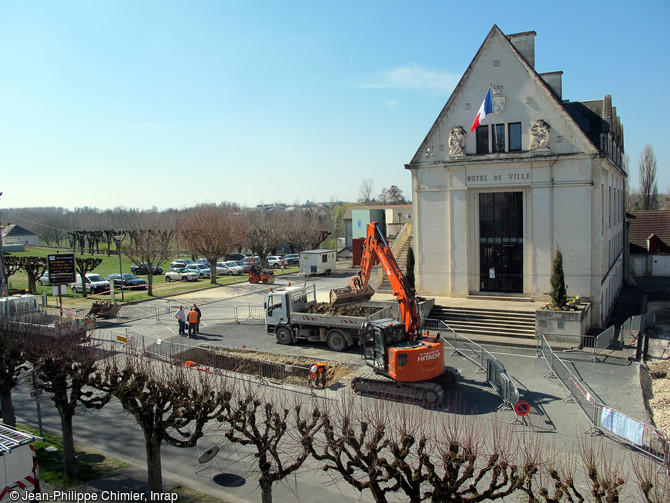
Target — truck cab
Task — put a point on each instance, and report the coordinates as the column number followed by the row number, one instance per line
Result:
column 281, row 302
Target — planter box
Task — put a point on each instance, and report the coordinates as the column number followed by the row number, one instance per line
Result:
column 563, row 322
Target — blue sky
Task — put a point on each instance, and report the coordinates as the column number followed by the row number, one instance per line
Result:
column 168, row 104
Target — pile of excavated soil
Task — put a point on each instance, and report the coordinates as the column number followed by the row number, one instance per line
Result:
column 245, row 361
column 659, row 372
column 343, row 310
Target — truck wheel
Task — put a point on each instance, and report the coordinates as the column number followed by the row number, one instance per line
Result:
column 336, row 340
column 284, row 335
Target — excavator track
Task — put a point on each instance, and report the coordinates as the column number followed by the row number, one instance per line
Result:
column 428, row 393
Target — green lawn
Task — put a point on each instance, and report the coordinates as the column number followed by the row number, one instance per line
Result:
column 110, row 265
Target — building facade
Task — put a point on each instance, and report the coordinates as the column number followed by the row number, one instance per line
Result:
column 492, row 204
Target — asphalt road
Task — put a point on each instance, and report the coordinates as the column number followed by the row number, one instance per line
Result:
column 233, row 477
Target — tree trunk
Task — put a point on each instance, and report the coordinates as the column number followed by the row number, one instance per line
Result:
column 154, row 468
column 69, row 459
column 266, row 492
column 150, row 280
column 7, row 406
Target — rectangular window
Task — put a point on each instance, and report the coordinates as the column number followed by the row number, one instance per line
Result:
column 483, row 140
column 498, row 137
column 514, row 129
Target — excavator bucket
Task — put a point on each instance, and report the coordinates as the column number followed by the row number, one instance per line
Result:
column 347, row 295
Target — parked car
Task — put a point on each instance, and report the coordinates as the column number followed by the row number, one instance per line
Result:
column 229, row 268
column 274, row 261
column 180, row 274
column 203, row 261
column 44, row 279
column 94, row 284
column 256, row 259
column 182, row 262
column 127, row 280
column 234, row 256
column 202, row 270
column 243, row 265
column 291, row 258
column 144, row 269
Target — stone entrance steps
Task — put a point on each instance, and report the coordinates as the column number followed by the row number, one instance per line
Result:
column 494, row 326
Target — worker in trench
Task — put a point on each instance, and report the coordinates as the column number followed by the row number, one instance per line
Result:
column 317, row 374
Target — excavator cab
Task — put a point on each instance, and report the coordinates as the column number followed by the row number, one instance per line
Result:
column 388, row 349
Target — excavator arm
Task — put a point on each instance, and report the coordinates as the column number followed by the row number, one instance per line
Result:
column 377, row 251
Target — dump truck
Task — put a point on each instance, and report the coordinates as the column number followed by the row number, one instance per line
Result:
column 24, row 313
column 290, row 316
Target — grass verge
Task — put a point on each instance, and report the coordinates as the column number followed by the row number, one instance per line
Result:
column 90, row 464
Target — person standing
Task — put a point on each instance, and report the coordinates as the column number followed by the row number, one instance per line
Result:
column 197, row 310
column 192, row 323
column 283, row 264
column 181, row 318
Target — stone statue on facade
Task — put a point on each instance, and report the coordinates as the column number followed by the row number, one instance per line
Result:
column 457, row 141
column 539, row 135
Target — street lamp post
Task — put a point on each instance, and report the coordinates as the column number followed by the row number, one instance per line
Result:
column 3, row 280
column 118, row 239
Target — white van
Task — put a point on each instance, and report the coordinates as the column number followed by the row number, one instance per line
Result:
column 18, row 465
column 94, row 284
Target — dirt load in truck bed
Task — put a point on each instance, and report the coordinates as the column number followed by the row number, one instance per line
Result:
column 344, row 310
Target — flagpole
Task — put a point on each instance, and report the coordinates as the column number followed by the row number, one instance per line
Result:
column 495, row 140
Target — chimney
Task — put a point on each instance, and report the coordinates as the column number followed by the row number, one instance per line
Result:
column 555, row 81
column 525, row 44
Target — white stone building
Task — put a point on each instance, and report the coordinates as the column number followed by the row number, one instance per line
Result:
column 492, row 205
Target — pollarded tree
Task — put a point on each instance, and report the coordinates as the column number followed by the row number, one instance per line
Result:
column 10, row 265
column 211, row 231
column 13, row 363
column 268, row 425
column 171, row 403
column 34, row 268
column 64, row 366
column 85, row 265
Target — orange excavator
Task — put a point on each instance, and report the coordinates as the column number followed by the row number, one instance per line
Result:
column 405, row 362
column 258, row 274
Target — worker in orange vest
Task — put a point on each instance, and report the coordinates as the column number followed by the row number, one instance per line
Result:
column 318, row 373
column 192, row 323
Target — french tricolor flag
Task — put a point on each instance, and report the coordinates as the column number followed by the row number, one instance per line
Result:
column 485, row 109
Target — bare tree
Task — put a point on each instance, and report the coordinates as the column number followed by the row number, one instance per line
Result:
column 151, row 235
column 12, row 364
column 211, row 231
column 268, row 426
column 64, row 365
column 365, row 192
column 171, row 403
column 83, row 266
column 392, row 195
column 648, row 186
column 264, row 232
column 34, row 268
column 11, row 264
column 304, row 229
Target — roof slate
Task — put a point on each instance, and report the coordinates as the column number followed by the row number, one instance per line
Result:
column 645, row 223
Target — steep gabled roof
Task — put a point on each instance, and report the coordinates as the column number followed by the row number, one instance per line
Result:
column 646, row 223
column 584, row 117
column 14, row 230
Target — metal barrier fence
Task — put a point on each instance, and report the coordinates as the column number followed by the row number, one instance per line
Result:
column 496, row 374
column 232, row 364
column 237, row 314
column 604, row 419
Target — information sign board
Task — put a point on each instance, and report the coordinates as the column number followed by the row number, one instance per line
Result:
column 62, row 268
